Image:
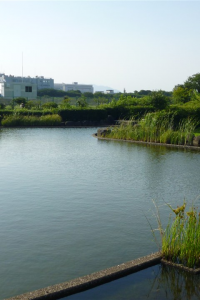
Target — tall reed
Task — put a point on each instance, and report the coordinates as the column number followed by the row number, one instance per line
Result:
column 181, row 239
column 156, row 127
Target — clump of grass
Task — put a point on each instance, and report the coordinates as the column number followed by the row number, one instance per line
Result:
column 156, row 127
column 18, row 120
column 181, row 239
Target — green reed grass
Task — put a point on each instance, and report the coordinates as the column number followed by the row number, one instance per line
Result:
column 18, row 120
column 158, row 128
column 181, row 239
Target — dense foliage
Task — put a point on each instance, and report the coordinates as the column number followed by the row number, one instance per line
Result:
column 82, row 114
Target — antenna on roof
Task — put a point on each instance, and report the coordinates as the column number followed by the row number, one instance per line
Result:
column 22, row 66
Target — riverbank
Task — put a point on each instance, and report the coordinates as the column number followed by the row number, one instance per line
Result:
column 148, row 143
column 157, row 128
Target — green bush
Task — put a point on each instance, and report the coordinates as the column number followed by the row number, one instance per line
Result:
column 18, row 120
column 181, row 112
column 121, row 112
column 50, row 120
column 30, row 112
column 33, row 104
column 82, row 114
column 20, row 100
column 49, row 105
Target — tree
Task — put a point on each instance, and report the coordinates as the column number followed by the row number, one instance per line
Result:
column 20, row 100
column 158, row 100
column 193, row 82
column 88, row 95
column 2, row 106
column 66, row 101
column 82, row 102
column 99, row 94
column 182, row 94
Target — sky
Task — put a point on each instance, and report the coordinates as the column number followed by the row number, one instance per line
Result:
column 130, row 45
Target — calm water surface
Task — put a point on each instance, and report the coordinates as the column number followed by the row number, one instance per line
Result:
column 71, row 205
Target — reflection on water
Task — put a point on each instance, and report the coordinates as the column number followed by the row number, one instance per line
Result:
column 158, row 282
column 181, row 284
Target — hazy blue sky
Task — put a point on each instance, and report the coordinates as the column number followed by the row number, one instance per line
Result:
column 121, row 44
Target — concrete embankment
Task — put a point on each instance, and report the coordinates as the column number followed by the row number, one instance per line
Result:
column 84, row 283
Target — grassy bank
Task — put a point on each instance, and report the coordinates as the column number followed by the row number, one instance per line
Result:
column 29, row 121
column 156, row 127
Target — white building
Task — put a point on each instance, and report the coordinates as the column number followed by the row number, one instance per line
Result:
column 83, row 88
column 18, row 89
column 13, row 87
column 40, row 81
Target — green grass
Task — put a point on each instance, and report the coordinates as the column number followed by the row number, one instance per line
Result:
column 156, row 127
column 19, row 120
column 181, row 239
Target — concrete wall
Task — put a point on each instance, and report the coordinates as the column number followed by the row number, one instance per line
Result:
column 16, row 89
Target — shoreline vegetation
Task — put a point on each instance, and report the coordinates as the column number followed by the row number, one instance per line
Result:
column 180, row 240
column 156, row 128
column 24, row 121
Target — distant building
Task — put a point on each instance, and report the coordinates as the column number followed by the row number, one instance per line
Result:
column 40, row 81
column 109, row 91
column 13, row 87
column 83, row 88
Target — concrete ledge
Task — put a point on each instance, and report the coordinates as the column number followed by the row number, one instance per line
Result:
column 149, row 143
column 84, row 283
column 179, row 266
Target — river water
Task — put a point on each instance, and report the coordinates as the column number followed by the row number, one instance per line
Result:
column 71, row 204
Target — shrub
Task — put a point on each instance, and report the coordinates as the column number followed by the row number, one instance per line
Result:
column 20, row 100
column 82, row 114
column 32, row 104
column 2, row 106
column 82, row 102
column 18, row 120
column 50, row 120
column 49, row 105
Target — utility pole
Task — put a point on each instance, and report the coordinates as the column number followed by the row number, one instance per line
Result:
column 22, row 66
